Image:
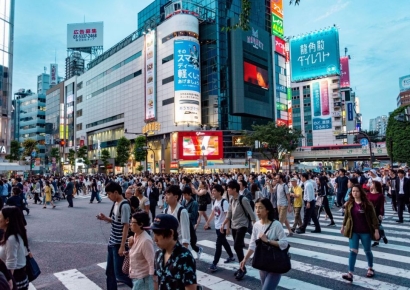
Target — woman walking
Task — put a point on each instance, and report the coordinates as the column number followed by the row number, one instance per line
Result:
column 323, row 191
column 94, row 191
column 275, row 236
column 202, row 202
column 360, row 223
column 48, row 195
column 376, row 197
column 14, row 244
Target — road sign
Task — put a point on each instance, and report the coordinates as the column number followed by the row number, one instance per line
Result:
column 249, row 154
column 338, row 137
column 33, row 153
column 364, row 142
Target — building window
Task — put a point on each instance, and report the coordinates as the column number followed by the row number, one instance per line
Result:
column 167, row 59
column 79, row 113
column 168, row 101
column 79, row 127
column 106, row 120
column 167, row 80
column 79, row 85
column 79, row 99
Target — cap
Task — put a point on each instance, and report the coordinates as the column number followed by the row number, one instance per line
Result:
column 294, row 179
column 373, row 171
column 164, row 222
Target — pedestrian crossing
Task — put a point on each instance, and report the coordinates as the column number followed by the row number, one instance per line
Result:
column 88, row 196
column 318, row 262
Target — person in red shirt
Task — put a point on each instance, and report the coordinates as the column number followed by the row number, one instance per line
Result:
column 376, row 197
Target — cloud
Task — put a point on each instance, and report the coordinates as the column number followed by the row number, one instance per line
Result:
column 340, row 5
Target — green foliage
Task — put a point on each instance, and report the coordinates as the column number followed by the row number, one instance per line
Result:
column 140, row 168
column 105, row 155
column 82, row 152
column 373, row 135
column 139, row 152
column 123, row 151
column 29, row 145
column 398, row 133
column 71, row 157
column 275, row 140
column 55, row 152
column 14, row 151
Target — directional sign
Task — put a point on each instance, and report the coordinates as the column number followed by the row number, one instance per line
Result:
column 249, row 154
column 364, row 142
column 33, row 153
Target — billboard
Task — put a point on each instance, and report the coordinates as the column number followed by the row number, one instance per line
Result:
column 404, row 83
column 280, row 46
column 85, row 34
column 277, row 26
column 150, row 77
column 276, row 7
column 255, row 75
column 315, row 55
column 53, row 74
column 196, row 145
column 322, row 119
column 350, row 111
column 344, row 72
column 187, row 82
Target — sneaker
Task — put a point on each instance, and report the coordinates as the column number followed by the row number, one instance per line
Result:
column 213, row 268
column 332, row 224
column 385, row 240
column 240, row 274
column 230, row 259
column 375, row 244
column 199, row 253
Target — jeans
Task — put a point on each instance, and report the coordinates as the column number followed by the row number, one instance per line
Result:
column 95, row 194
column 354, row 245
column 114, row 269
column 221, row 241
column 298, row 218
column 146, row 283
column 239, row 241
column 269, row 280
column 310, row 214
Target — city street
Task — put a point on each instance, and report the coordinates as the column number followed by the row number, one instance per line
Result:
column 70, row 246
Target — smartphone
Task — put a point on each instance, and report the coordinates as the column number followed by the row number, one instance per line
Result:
column 316, row 99
column 324, row 93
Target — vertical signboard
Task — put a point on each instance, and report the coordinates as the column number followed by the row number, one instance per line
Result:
column 174, row 146
column 53, row 74
column 315, row 55
column 187, row 102
column 344, row 72
column 280, row 46
column 350, row 111
column 289, row 89
column 322, row 119
column 150, row 77
column 276, row 7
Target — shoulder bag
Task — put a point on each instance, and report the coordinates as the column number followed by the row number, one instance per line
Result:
column 32, row 268
column 271, row 258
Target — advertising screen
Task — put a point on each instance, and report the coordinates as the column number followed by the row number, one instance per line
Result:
column 255, row 75
column 322, row 119
column 404, row 83
column 187, row 82
column 85, row 34
column 315, row 55
column 344, row 72
column 195, row 145
column 150, row 80
column 277, row 26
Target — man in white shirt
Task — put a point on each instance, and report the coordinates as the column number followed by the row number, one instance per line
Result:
column 310, row 202
column 373, row 176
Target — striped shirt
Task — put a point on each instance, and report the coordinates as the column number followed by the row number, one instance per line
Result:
column 119, row 218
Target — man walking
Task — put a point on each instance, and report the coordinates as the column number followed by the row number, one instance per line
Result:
column 151, row 192
column 341, row 186
column 69, row 190
column 402, row 194
column 310, row 202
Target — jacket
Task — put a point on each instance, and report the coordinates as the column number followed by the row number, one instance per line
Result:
column 406, row 188
column 154, row 195
column 371, row 219
column 69, row 188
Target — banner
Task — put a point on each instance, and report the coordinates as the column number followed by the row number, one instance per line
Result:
column 350, row 111
column 277, row 26
column 187, row 102
column 150, row 77
column 53, row 74
column 344, row 72
column 81, row 35
column 276, row 7
column 322, row 119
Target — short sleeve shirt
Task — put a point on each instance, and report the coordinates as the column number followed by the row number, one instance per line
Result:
column 220, row 211
column 178, row 272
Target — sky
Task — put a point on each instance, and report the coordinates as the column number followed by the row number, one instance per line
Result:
column 375, row 32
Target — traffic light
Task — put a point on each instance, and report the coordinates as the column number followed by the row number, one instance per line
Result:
column 62, row 142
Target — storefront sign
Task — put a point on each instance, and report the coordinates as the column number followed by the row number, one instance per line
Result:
column 174, row 165
column 253, row 39
column 151, row 127
column 3, row 150
column 238, row 141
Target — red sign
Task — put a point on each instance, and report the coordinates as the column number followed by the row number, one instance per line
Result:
column 280, row 46
column 266, row 163
column 81, row 143
column 194, row 145
column 174, row 146
column 290, row 123
column 281, row 122
column 255, row 75
column 344, row 72
column 174, row 165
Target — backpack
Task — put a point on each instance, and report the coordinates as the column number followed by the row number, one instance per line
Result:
column 249, row 230
column 121, row 204
column 330, row 189
column 222, row 203
column 192, row 233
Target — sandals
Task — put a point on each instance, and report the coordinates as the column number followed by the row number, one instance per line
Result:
column 370, row 273
column 348, row 277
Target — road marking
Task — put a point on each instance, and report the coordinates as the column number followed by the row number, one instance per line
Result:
column 74, row 280
column 216, row 283
column 31, row 287
column 386, row 223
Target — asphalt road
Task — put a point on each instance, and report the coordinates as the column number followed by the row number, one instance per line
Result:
column 71, row 241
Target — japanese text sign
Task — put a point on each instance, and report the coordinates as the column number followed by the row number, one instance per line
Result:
column 277, row 26
column 85, row 34
column 344, row 72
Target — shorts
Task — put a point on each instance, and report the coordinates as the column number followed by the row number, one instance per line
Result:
column 283, row 213
column 202, row 207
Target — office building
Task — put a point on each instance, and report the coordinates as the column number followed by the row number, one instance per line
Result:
column 379, row 124
column 43, row 83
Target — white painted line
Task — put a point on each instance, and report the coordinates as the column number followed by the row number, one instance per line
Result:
column 285, row 282
column 74, row 280
column 215, row 283
column 31, row 287
column 103, row 265
column 388, row 231
column 386, row 223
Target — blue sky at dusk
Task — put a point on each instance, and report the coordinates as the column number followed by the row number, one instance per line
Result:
column 375, row 33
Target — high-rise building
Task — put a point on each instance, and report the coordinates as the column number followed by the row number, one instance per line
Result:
column 43, row 83
column 6, row 71
column 379, row 124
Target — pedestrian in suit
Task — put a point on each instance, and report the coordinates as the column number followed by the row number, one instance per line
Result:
column 69, row 192
column 152, row 193
column 402, row 194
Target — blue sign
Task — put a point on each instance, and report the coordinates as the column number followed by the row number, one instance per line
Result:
column 364, row 142
column 281, row 89
column 315, row 55
column 186, row 66
column 33, row 153
column 249, row 154
column 322, row 124
column 350, row 111
column 320, row 105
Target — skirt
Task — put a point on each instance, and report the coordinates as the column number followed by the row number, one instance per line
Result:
column 21, row 278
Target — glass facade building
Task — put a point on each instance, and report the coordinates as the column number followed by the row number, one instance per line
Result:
column 6, row 68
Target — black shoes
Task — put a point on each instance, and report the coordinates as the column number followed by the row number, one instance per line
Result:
column 332, row 224
column 299, row 231
column 375, row 244
column 230, row 259
column 400, row 222
column 316, row 231
column 385, row 239
column 240, row 274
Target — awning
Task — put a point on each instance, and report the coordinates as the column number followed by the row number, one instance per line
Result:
column 195, row 163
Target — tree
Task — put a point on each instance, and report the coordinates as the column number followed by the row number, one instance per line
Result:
column 397, row 137
column 14, row 151
column 139, row 152
column 275, row 141
column 29, row 145
column 105, row 155
column 245, row 14
column 123, row 151
column 55, row 153
column 71, row 158
column 140, row 168
column 82, row 154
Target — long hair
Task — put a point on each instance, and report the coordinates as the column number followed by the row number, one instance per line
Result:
column 268, row 205
column 377, row 186
column 15, row 226
column 254, row 189
column 363, row 197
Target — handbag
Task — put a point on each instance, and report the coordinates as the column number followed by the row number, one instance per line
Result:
column 32, row 268
column 271, row 258
column 126, row 263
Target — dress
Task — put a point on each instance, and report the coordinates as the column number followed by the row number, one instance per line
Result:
column 47, row 191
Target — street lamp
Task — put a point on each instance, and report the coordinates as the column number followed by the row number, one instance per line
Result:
column 203, row 159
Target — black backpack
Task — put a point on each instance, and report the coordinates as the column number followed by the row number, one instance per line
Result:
column 222, row 203
column 192, row 232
